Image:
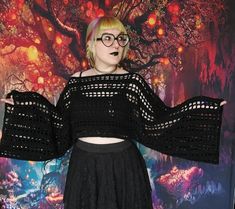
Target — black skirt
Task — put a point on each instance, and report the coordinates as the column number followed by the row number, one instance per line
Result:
column 107, row 176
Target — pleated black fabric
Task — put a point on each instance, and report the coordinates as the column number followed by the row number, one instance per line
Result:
column 107, row 176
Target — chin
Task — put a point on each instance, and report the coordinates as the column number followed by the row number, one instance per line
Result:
column 117, row 61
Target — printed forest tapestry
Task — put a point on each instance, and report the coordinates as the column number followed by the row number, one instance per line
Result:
column 183, row 48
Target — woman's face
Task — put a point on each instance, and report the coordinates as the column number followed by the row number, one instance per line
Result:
column 107, row 56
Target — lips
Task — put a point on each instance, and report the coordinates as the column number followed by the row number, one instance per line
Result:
column 114, row 53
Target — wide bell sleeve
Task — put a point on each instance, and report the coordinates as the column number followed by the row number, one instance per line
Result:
column 190, row 130
column 34, row 129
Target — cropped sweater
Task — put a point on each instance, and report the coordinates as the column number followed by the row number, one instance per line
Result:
column 110, row 105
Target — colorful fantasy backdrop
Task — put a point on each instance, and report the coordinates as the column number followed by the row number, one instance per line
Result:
column 183, row 48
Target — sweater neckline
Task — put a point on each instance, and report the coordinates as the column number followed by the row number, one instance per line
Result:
column 100, row 75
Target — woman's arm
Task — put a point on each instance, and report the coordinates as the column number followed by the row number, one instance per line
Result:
column 33, row 128
column 190, row 130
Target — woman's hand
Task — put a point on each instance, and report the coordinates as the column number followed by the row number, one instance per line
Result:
column 223, row 103
column 9, row 100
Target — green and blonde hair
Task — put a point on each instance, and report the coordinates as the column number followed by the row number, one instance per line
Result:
column 94, row 31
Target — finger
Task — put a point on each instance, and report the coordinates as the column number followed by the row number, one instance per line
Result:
column 3, row 100
column 8, row 101
column 223, row 103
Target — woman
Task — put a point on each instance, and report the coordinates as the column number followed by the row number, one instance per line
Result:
column 100, row 112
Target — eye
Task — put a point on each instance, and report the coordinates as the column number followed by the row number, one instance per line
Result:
column 107, row 37
column 123, row 38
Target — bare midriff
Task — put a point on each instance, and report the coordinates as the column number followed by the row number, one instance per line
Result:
column 100, row 140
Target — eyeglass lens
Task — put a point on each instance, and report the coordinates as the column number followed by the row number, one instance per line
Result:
column 108, row 39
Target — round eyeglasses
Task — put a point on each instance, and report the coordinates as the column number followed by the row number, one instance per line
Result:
column 108, row 39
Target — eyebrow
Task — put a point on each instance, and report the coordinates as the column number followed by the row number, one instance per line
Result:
column 112, row 33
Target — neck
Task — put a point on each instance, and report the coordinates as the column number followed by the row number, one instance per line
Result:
column 104, row 72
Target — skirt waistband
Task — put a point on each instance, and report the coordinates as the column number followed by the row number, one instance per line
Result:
column 103, row 148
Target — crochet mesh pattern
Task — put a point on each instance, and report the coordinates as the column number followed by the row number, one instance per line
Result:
column 110, row 105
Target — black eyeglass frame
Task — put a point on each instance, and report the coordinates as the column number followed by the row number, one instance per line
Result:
column 115, row 38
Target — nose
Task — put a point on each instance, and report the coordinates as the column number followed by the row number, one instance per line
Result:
column 115, row 44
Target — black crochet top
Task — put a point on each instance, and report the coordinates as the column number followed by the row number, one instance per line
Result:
column 110, row 105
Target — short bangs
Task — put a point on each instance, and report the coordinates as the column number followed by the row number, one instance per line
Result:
column 110, row 23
